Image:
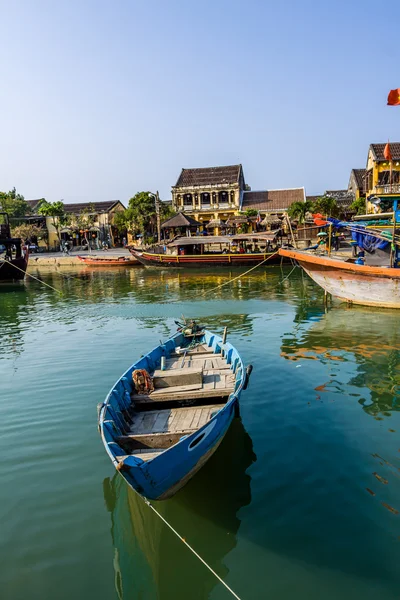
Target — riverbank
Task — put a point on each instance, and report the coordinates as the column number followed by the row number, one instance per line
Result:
column 58, row 259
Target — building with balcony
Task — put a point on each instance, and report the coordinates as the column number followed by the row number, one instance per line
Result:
column 218, row 197
column 383, row 179
column 210, row 193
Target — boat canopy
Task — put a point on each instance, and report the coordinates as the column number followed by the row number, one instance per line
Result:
column 224, row 239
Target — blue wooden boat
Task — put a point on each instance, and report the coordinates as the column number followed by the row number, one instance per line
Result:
column 158, row 431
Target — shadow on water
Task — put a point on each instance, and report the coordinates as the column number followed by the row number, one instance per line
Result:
column 149, row 561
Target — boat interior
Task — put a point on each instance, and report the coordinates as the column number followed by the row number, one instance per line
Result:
column 193, row 386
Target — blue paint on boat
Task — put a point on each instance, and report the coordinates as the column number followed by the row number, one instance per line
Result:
column 161, row 476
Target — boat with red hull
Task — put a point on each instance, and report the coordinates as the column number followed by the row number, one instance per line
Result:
column 353, row 283
column 13, row 255
column 96, row 261
column 213, row 251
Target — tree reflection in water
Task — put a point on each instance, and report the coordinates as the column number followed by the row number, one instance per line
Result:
column 368, row 335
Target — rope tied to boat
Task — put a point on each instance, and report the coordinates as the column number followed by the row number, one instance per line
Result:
column 37, row 279
column 241, row 275
column 182, row 539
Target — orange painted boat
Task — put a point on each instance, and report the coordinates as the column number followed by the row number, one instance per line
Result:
column 357, row 284
column 121, row 261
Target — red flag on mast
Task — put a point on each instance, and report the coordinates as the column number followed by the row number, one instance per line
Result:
column 387, row 153
column 394, row 97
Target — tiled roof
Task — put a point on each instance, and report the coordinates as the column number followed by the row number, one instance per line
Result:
column 180, row 220
column 313, row 198
column 272, row 200
column 209, row 176
column 96, row 207
column 33, row 203
column 343, row 197
column 360, row 178
column 378, row 149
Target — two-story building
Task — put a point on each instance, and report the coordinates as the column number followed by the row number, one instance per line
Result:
column 357, row 183
column 219, row 195
column 209, row 194
column 383, row 179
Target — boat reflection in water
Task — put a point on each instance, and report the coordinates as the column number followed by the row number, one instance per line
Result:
column 149, row 560
column 371, row 338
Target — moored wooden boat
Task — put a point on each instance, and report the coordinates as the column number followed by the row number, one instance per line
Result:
column 355, row 283
column 159, row 439
column 217, row 251
column 14, row 256
column 97, row 261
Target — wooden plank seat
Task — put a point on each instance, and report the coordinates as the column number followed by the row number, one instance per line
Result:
column 172, row 420
column 145, row 454
column 153, row 432
column 142, row 442
column 182, row 377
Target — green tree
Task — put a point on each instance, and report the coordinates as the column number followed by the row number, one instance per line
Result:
column 140, row 216
column 14, row 204
column 28, row 231
column 56, row 211
column 251, row 212
column 327, row 206
column 298, row 210
column 86, row 217
column 359, row 206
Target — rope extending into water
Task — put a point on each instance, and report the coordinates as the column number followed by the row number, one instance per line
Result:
column 36, row 278
column 191, row 549
column 241, row 275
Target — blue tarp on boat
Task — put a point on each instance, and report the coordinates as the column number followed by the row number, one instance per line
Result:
column 361, row 235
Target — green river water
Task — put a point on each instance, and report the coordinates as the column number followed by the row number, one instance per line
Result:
column 300, row 501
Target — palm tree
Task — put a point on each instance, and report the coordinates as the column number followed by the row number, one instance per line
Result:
column 298, row 210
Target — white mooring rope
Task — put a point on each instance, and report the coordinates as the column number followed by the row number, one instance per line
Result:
column 191, row 549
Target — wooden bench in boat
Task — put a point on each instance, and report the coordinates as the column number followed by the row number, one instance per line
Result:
column 195, row 374
column 173, row 420
column 153, row 432
column 200, row 375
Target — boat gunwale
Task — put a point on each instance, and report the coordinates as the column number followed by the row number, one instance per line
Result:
column 333, row 263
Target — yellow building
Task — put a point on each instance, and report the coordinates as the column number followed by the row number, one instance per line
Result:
column 357, row 183
column 93, row 220
column 383, row 179
column 215, row 196
column 209, row 194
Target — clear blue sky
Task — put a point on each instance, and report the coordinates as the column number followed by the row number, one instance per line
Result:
column 102, row 99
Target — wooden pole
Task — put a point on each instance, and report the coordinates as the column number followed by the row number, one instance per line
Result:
column 330, row 239
column 393, row 246
column 158, row 217
column 291, row 230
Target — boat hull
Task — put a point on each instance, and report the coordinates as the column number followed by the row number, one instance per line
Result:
column 161, row 477
column 108, row 262
column 356, row 284
column 195, row 261
column 13, row 270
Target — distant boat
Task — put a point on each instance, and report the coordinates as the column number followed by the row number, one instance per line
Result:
column 217, row 251
column 14, row 255
column 158, row 439
column 358, row 284
column 97, row 261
